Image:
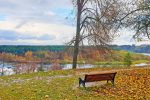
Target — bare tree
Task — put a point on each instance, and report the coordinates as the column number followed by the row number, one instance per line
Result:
column 136, row 15
column 95, row 26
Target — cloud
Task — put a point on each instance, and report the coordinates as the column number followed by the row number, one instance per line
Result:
column 35, row 21
column 37, row 28
column 2, row 17
column 42, row 22
column 126, row 38
column 46, row 37
column 44, row 32
column 8, row 35
column 12, row 35
column 35, row 10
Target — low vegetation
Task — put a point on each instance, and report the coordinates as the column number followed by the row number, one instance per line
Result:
column 86, row 56
column 131, row 83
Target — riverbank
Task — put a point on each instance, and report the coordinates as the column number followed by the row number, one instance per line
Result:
column 130, row 83
column 10, row 68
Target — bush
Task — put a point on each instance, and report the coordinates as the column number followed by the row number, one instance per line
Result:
column 127, row 59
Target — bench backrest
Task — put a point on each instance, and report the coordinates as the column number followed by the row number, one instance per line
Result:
column 100, row 77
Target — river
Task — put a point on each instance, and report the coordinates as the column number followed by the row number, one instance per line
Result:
column 8, row 68
column 146, row 54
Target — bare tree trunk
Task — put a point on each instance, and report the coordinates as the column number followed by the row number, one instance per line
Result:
column 96, row 20
column 76, row 45
column 2, row 73
column 2, row 68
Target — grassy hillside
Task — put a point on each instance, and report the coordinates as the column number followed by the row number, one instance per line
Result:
column 114, row 57
column 63, row 85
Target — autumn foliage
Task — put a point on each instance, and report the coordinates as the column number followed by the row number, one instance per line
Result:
column 130, row 85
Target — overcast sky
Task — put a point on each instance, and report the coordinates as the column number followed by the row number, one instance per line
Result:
column 42, row 22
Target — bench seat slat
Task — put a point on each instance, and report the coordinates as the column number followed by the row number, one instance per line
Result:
column 99, row 77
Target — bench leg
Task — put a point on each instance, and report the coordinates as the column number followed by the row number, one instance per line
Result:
column 81, row 82
column 107, row 81
column 113, row 82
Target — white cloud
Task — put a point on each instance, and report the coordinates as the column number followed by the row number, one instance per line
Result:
column 59, row 32
column 34, row 10
column 39, row 19
column 42, row 32
column 25, row 42
column 126, row 38
column 42, row 20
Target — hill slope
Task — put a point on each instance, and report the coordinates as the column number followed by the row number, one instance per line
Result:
column 63, row 85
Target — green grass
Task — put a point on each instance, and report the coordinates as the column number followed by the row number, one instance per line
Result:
column 54, row 85
column 140, row 61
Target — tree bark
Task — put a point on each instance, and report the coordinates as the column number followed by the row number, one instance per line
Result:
column 76, row 45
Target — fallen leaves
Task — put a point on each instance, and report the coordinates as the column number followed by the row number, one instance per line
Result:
column 60, row 85
column 134, row 84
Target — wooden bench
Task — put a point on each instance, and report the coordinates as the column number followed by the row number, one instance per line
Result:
column 98, row 77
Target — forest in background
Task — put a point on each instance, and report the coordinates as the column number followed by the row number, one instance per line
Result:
column 134, row 48
column 48, row 54
column 20, row 49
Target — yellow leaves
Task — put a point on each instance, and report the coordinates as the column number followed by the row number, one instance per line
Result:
column 46, row 96
column 132, row 84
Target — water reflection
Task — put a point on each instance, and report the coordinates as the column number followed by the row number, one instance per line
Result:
column 10, row 68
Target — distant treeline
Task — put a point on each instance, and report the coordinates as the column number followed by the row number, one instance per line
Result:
column 133, row 48
column 20, row 49
column 15, row 49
